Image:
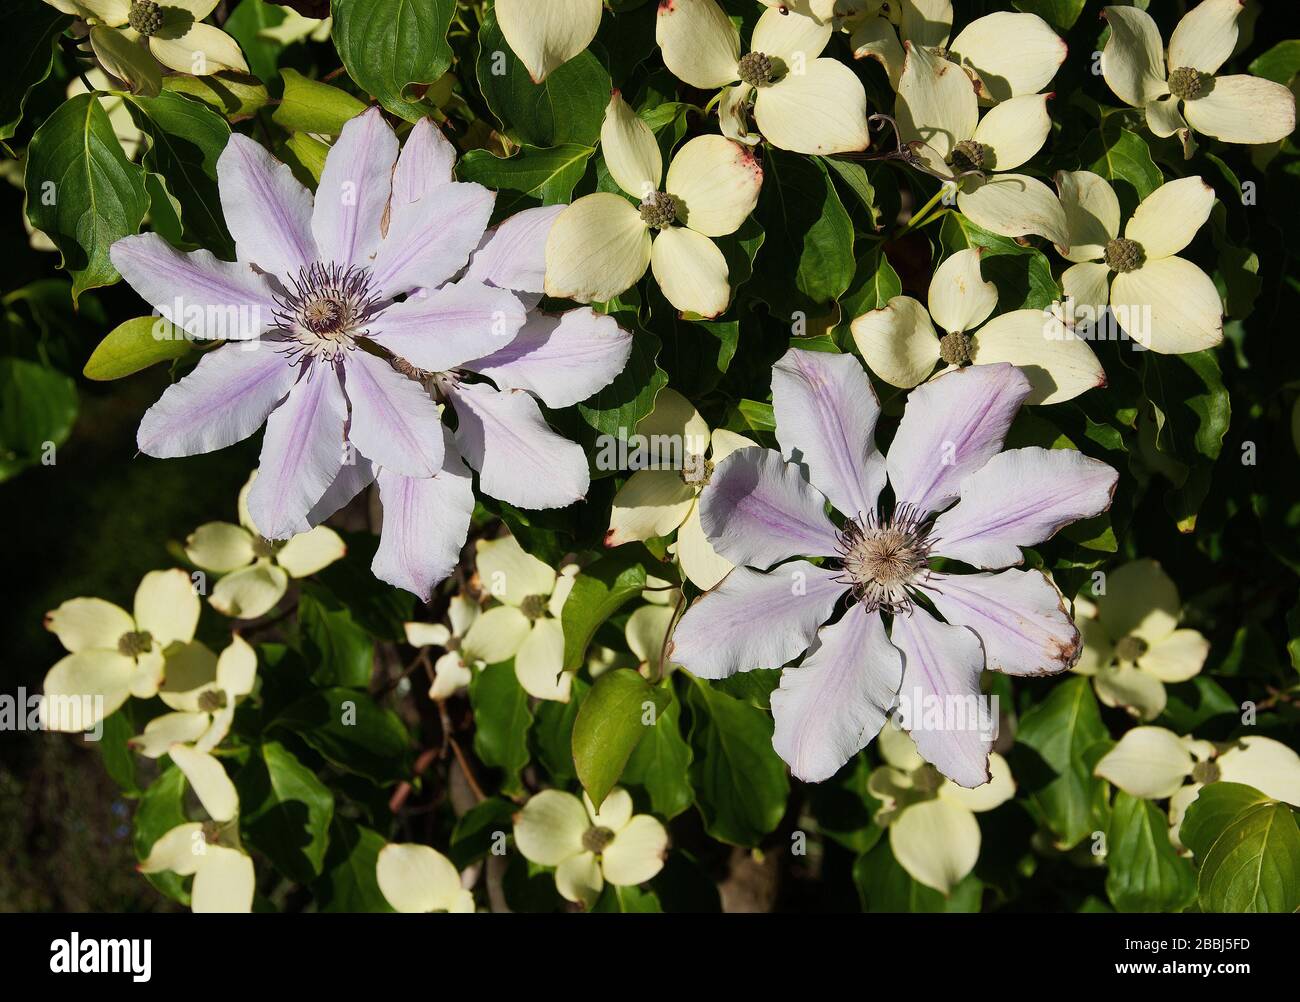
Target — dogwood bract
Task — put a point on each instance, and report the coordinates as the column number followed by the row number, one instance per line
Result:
column 760, row 510
column 588, row 847
column 800, row 102
column 939, row 116
column 1154, row 763
column 204, row 704
column 224, row 880
column 900, row 344
column 346, row 317
column 131, row 37
column 1132, row 645
column 1162, row 301
column 526, row 626
column 602, row 243
column 1006, row 54
column 113, row 654
column 547, row 35
column 656, row 500
column 255, row 571
column 931, row 821
column 418, row 878
column 1236, row 108
column 450, row 672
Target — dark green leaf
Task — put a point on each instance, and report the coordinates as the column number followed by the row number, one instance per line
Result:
column 391, row 47
column 82, row 192
column 285, row 811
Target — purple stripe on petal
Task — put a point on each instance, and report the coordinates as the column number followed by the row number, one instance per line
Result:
column 1018, row 615
column 427, row 161
column 267, row 209
column 826, row 414
column 757, row 509
column 354, row 189
column 940, row 701
column 563, row 360
column 356, row 474
column 394, row 421
column 433, row 238
column 519, row 458
column 755, row 620
column 223, row 401
column 513, row 254
column 1021, row 498
column 208, row 297
column 425, row 525
column 302, row 452
column 444, row 328
column 831, row 706
column 951, row 427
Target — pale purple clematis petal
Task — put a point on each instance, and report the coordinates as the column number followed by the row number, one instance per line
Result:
column 208, row 297
column 355, row 186
column 950, row 428
column 395, row 423
column 759, row 509
column 826, row 421
column 363, row 316
column 513, row 254
column 754, row 620
column 432, row 238
column 428, row 160
column 831, row 705
column 941, row 673
column 302, row 452
column 267, row 209
column 519, row 459
column 355, row 475
column 561, row 359
column 443, row 328
column 1020, row 615
column 1021, row 498
column 224, row 400
column 426, row 522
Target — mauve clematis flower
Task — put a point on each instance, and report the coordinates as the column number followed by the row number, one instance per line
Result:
column 760, row 510
column 351, row 320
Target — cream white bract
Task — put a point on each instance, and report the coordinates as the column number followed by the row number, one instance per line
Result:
column 902, row 346
column 1132, row 644
column 1235, row 108
column 1162, row 301
column 131, row 37
column 800, row 102
column 602, row 243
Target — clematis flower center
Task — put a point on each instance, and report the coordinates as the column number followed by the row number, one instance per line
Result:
column 884, row 559
column 756, row 69
column 1130, row 648
column 132, row 645
column 327, row 310
column 1189, row 84
column 954, row 348
column 1205, row 772
column 659, row 210
column 1123, row 255
column 533, row 606
column 597, row 839
column 145, row 16
column 967, row 155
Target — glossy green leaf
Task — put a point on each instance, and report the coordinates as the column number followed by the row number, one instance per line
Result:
column 394, row 48
column 285, row 811
column 620, row 709
column 82, row 192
